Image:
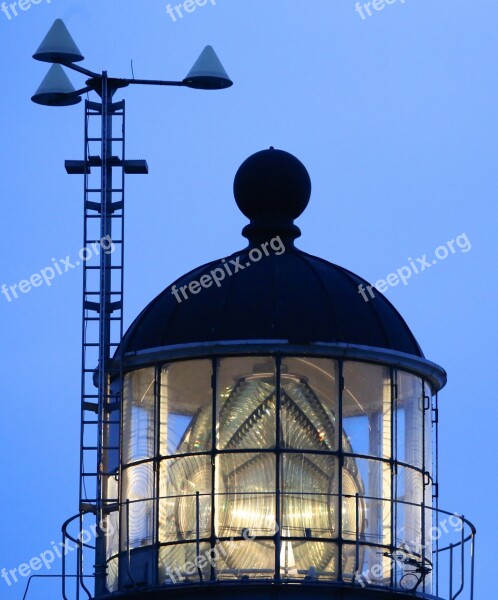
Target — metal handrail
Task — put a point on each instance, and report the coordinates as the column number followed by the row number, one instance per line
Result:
column 80, row 545
column 430, row 549
column 51, row 576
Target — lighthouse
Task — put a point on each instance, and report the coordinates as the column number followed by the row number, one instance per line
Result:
column 274, row 435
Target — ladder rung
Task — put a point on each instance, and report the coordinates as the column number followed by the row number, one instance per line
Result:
column 98, row 319
column 96, row 267
column 87, row 242
column 91, row 502
column 111, row 216
column 103, row 447
column 95, row 241
column 98, row 139
column 110, row 504
column 95, row 190
column 115, row 292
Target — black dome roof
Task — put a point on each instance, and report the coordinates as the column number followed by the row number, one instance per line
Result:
column 284, row 295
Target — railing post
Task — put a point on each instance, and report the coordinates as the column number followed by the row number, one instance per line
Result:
column 451, row 571
column 472, row 553
column 197, row 532
column 462, row 559
column 63, row 565
column 128, row 549
column 462, row 583
column 423, row 541
column 357, row 526
column 278, row 477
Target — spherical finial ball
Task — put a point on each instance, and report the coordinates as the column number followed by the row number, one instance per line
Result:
column 272, row 184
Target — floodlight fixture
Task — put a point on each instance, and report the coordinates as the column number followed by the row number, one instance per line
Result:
column 59, row 48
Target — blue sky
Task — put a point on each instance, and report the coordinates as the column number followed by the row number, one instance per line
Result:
column 395, row 117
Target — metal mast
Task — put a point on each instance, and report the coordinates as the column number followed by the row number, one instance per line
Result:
column 104, row 168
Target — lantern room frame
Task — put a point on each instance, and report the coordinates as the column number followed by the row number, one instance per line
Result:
column 435, row 570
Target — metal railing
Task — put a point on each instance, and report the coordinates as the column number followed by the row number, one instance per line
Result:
column 436, row 562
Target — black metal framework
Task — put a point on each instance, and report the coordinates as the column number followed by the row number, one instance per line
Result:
column 102, row 310
column 420, row 560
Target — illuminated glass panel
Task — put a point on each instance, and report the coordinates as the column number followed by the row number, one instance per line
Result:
column 183, row 478
column 309, row 394
column 185, row 407
column 137, row 519
column 246, row 403
column 227, row 459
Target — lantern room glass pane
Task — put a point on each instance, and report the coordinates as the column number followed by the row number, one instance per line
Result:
column 138, row 415
column 309, row 485
column 410, row 491
column 428, row 427
column 185, row 407
column 182, row 562
column 253, row 559
column 245, row 487
column 138, row 514
column 137, row 519
column 246, row 403
column 309, row 392
column 110, row 527
column 181, row 479
column 112, row 574
column 377, row 507
column 374, row 568
column 311, row 560
column 353, row 503
column 367, row 408
column 410, row 419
